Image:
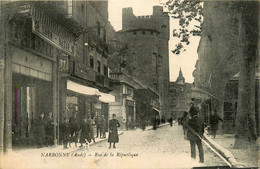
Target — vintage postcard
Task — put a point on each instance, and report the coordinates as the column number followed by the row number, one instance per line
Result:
column 129, row 84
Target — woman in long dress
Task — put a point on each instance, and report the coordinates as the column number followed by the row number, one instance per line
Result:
column 113, row 134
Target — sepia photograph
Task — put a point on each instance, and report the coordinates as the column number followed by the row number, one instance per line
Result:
column 129, row 84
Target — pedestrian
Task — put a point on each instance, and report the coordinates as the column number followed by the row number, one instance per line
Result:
column 49, row 126
column 113, row 133
column 170, row 121
column 98, row 125
column 184, row 120
column 65, row 132
column 103, row 127
column 74, row 127
column 143, row 123
column 214, row 120
column 39, row 130
column 85, row 132
column 179, row 121
column 194, row 134
column 91, row 124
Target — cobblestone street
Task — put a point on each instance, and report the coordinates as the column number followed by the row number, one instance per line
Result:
column 164, row 147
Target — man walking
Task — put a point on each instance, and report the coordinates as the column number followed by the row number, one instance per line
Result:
column 214, row 119
column 49, row 127
column 194, row 134
column 98, row 123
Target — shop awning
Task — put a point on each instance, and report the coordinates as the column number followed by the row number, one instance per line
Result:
column 76, row 87
column 106, row 98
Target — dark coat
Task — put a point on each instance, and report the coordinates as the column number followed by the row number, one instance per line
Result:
column 85, row 133
column 103, row 123
column 65, row 131
column 39, row 128
column 48, row 126
column 214, row 119
column 91, row 128
column 113, row 134
column 73, row 124
column 98, row 121
column 197, row 125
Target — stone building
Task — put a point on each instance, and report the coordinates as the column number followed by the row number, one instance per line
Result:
column 180, row 96
column 52, row 60
column 32, row 42
column 147, row 59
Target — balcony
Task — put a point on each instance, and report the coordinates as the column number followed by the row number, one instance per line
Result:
column 103, row 81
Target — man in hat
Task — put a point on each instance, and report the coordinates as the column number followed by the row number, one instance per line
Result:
column 195, row 132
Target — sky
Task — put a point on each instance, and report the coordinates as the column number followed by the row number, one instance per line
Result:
column 186, row 60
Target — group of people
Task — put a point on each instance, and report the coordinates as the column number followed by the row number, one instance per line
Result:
column 72, row 131
column 43, row 130
column 193, row 129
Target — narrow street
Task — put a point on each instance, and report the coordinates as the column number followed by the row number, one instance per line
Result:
column 164, row 147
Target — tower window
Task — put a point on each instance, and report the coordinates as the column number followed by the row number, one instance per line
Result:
column 98, row 67
column 143, row 32
column 91, row 62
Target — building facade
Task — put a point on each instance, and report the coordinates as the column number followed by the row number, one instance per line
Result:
column 52, row 60
column 146, row 41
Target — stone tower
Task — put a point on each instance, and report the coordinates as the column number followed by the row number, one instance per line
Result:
column 147, row 57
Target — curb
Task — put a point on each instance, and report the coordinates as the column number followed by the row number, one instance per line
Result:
column 227, row 155
column 163, row 125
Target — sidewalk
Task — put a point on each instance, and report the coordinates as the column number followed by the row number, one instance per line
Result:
column 59, row 148
column 223, row 144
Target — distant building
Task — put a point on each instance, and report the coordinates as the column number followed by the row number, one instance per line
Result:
column 180, row 96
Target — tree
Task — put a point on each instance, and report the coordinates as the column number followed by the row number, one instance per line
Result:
column 247, row 43
column 245, row 121
column 189, row 14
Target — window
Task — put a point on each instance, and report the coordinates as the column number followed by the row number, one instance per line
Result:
column 91, row 62
column 154, row 62
column 104, row 36
column 98, row 28
column 143, row 32
column 134, row 32
column 105, row 71
column 151, row 32
column 82, row 7
column 98, row 67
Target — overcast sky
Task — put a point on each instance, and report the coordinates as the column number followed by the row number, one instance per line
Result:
column 185, row 60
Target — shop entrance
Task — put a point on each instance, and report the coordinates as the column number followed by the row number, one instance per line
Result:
column 31, row 96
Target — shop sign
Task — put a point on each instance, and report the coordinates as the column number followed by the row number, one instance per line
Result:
column 51, row 31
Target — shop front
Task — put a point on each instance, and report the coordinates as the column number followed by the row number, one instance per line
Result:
column 33, row 93
column 84, row 100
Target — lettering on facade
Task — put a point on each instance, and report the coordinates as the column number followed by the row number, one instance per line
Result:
column 51, row 31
